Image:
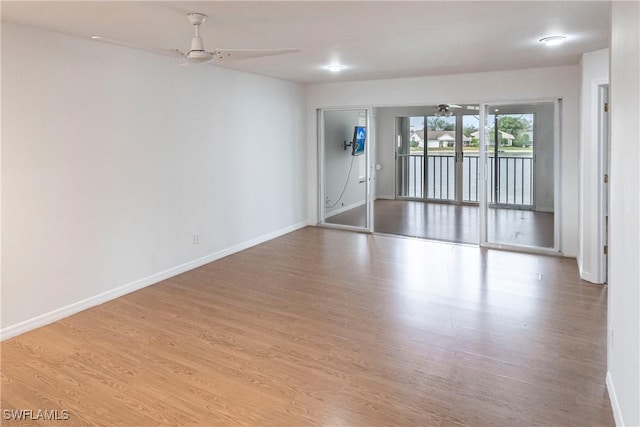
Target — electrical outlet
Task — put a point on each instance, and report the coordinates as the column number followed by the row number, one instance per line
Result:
column 196, row 239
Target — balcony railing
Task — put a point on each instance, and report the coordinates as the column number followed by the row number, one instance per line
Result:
column 514, row 178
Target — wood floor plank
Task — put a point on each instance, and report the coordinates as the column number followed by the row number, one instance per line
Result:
column 325, row 327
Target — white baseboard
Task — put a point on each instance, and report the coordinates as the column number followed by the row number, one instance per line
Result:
column 60, row 313
column 591, row 278
column 548, row 209
column 585, row 275
column 615, row 406
column 344, row 209
column 384, row 197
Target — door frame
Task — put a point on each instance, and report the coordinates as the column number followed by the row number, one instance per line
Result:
column 603, row 168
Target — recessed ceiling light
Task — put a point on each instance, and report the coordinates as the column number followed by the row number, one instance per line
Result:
column 334, row 68
column 552, row 40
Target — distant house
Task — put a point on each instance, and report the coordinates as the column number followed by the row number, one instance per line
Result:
column 417, row 137
column 503, row 136
column 444, row 138
column 437, row 138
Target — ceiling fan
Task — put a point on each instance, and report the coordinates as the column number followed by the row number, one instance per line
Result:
column 198, row 54
column 445, row 109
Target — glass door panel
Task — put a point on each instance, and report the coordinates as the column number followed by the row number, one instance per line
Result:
column 345, row 151
column 440, row 143
column 470, row 157
column 520, row 186
column 410, row 156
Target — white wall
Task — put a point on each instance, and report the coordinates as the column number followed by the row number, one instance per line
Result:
column 594, row 72
column 623, row 377
column 113, row 158
column 338, row 127
column 503, row 86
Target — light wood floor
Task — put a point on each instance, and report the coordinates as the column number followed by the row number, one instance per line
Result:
column 326, row 327
column 453, row 223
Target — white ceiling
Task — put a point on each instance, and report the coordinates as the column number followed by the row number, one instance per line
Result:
column 382, row 39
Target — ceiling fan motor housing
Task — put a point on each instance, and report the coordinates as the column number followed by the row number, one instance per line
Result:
column 197, row 53
column 197, row 44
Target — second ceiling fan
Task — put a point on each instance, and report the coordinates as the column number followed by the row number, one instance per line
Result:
column 445, row 110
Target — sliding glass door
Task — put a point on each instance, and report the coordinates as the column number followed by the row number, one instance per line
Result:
column 343, row 163
column 521, row 166
column 442, row 148
column 430, row 151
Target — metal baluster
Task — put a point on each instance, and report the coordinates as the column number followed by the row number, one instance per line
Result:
column 469, row 175
column 531, row 181
column 522, row 181
column 417, row 177
column 471, row 199
column 434, row 176
column 432, row 160
column 490, row 175
column 440, row 161
column 413, row 165
column 476, row 178
column 421, row 180
column 447, row 163
column 515, row 183
column 506, row 181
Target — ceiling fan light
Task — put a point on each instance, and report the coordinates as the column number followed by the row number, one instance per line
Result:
column 199, row 56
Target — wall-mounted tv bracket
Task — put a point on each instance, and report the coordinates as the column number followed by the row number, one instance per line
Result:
column 345, row 145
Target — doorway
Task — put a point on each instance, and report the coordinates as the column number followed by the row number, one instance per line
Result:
column 436, row 166
column 437, row 155
column 439, row 190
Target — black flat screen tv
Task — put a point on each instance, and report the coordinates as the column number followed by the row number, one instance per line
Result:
column 359, row 139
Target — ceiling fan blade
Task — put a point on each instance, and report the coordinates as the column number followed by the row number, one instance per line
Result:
column 238, row 54
column 164, row 52
column 178, row 53
column 455, row 106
